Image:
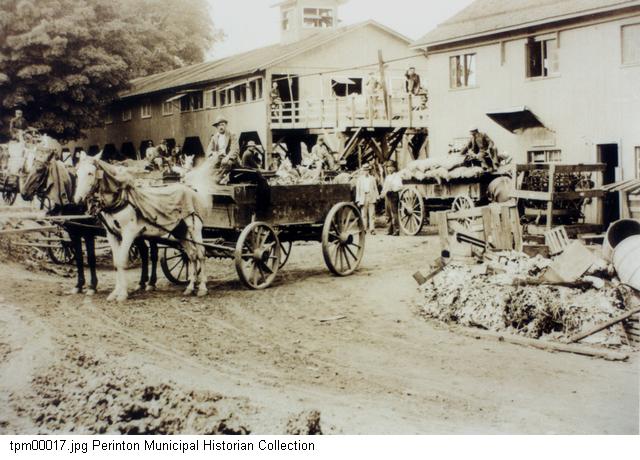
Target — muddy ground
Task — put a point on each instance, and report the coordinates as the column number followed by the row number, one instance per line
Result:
column 241, row 361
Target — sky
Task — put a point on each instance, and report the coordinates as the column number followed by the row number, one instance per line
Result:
column 250, row 24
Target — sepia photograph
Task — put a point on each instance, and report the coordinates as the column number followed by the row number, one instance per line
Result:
column 317, row 217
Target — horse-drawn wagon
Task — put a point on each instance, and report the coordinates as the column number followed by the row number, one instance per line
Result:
column 419, row 197
column 256, row 224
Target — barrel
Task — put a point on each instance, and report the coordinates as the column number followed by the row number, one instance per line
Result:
column 618, row 232
column 626, row 261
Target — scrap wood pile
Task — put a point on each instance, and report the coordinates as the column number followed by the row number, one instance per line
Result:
column 510, row 292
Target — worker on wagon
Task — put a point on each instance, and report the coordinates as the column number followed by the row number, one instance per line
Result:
column 366, row 198
column 251, row 158
column 321, row 155
column 17, row 125
column 481, row 149
column 223, row 143
column 391, row 192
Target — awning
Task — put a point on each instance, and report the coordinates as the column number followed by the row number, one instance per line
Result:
column 516, row 118
column 176, row 97
column 343, row 80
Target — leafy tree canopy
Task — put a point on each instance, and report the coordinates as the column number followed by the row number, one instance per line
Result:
column 62, row 61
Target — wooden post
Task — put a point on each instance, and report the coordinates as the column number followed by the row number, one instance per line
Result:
column 337, row 112
column 410, row 99
column 353, row 110
column 552, row 178
column 390, row 106
column 383, row 83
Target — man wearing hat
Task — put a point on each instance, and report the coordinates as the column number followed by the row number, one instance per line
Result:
column 222, row 143
column 366, row 197
column 251, row 158
column 481, row 149
column 391, row 193
column 321, row 154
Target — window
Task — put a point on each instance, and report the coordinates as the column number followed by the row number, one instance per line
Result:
column 224, row 99
column 542, row 58
column 192, row 101
column 544, row 156
column 318, row 18
column 462, row 71
column 145, row 110
column 637, row 162
column 240, row 93
column 255, row 87
column 287, row 19
column 108, row 117
column 126, row 114
column 214, row 98
column 167, row 108
column 631, row 44
column 344, row 86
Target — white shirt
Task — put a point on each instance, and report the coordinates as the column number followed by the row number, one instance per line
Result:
column 392, row 183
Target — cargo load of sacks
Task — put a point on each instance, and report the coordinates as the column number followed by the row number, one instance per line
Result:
column 441, row 169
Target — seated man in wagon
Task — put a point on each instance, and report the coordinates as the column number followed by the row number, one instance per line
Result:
column 224, row 149
column 481, row 150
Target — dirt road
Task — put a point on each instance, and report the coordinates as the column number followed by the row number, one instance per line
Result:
column 245, row 361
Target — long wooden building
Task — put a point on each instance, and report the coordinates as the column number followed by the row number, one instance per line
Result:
column 321, row 71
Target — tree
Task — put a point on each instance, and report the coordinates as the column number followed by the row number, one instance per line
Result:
column 63, row 61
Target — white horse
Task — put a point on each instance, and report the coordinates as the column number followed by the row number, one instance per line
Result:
column 129, row 212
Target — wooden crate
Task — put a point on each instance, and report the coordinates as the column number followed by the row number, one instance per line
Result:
column 498, row 224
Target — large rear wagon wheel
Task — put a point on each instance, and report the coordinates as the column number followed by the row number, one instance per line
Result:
column 257, row 255
column 410, row 211
column 343, row 238
column 175, row 265
column 61, row 254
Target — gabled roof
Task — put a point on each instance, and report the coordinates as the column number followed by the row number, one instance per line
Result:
column 488, row 17
column 243, row 64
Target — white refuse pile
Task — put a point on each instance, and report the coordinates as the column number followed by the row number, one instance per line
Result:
column 441, row 169
column 511, row 293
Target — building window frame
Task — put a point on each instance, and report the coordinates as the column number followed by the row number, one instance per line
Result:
column 167, row 108
column 622, row 47
column 544, row 156
column 127, row 114
column 145, row 110
column 286, row 19
column 318, row 9
column 549, row 61
column 636, row 149
column 466, row 66
column 108, row 117
column 256, row 89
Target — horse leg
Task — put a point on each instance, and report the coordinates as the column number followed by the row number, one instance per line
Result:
column 196, row 236
column 144, row 258
column 90, row 244
column 121, row 259
column 115, row 249
column 76, row 244
column 154, row 265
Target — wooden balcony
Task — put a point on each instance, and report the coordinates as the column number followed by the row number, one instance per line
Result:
column 404, row 111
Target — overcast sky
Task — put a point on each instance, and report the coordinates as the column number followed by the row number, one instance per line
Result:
column 249, row 24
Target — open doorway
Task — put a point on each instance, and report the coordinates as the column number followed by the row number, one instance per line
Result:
column 289, row 93
column 608, row 154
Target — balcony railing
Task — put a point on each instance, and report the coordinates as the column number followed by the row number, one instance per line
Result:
column 406, row 111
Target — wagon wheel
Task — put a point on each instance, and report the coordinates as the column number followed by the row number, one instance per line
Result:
column 257, row 255
column 343, row 238
column 285, row 252
column 463, row 203
column 175, row 265
column 61, row 254
column 411, row 212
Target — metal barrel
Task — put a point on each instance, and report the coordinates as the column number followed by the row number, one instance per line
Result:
column 626, row 260
column 618, row 232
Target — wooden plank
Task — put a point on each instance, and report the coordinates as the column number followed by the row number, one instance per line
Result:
column 602, row 326
column 552, row 181
column 531, row 195
column 516, row 228
column 547, row 345
column 17, row 231
column 443, row 228
column 595, row 167
column 595, row 193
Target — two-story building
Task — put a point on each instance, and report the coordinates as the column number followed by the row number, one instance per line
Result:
column 548, row 80
column 320, row 70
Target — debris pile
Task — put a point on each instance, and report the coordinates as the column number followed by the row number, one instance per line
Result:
column 510, row 292
column 287, row 174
